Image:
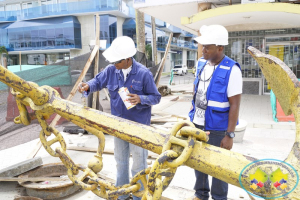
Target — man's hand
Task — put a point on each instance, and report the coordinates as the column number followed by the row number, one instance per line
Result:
column 134, row 99
column 83, row 87
column 227, row 142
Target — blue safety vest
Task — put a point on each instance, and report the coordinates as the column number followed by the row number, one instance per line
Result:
column 217, row 111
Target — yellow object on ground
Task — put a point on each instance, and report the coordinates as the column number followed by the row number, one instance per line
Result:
column 184, row 144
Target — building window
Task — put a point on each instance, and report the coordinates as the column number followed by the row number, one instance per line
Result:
column 237, row 50
column 191, row 57
column 108, row 28
column 54, row 34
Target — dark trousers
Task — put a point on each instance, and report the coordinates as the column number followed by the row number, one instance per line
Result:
column 219, row 189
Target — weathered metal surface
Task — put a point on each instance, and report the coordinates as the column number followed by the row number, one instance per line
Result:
column 220, row 163
column 37, row 94
column 52, row 194
column 286, row 87
column 49, row 189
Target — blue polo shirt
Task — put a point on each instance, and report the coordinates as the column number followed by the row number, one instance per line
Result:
column 139, row 81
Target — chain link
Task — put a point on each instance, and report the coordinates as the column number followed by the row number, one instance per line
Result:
column 164, row 166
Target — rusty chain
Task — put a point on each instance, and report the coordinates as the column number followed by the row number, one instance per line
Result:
column 164, row 166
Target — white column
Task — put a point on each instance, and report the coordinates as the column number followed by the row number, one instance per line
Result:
column 120, row 21
column 184, row 57
column 87, row 23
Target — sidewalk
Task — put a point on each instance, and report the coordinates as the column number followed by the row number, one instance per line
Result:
column 264, row 138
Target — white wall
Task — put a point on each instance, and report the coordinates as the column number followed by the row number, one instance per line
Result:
column 87, row 34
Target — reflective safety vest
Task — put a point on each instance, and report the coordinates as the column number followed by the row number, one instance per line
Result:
column 217, row 111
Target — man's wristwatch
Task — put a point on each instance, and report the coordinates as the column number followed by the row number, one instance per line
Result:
column 230, row 134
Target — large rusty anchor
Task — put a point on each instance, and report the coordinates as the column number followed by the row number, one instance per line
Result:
column 183, row 145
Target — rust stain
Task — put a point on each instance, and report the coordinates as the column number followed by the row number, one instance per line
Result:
column 217, row 151
column 296, row 150
column 250, row 158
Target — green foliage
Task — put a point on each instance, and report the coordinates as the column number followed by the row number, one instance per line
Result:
column 3, row 49
column 148, row 52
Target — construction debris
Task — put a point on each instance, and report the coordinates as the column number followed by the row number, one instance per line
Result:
column 26, row 198
column 164, row 90
column 74, row 130
column 51, row 188
column 21, row 167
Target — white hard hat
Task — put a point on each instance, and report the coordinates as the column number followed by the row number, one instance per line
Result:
column 213, row 34
column 121, row 48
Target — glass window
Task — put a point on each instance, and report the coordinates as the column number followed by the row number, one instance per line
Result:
column 19, row 40
column 35, row 38
column 237, row 50
column 50, row 37
column 69, row 36
column 24, row 6
column 29, row 5
column 103, row 3
column 59, row 37
column 12, row 39
column 59, row 33
column 77, row 33
column 35, row 3
column 27, row 39
column 46, row 37
column 108, row 27
column 43, row 38
column 13, row 7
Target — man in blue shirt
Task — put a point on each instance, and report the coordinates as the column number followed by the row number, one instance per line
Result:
column 124, row 71
column 217, row 95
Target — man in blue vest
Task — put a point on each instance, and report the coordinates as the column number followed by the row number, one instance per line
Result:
column 216, row 102
column 124, row 71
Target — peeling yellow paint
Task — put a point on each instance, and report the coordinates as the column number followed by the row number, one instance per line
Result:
column 191, row 149
column 286, row 87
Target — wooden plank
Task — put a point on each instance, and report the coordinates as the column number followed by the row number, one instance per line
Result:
column 162, row 63
column 154, row 50
column 34, row 179
column 69, row 98
column 163, row 117
column 140, row 36
column 96, row 94
column 168, row 118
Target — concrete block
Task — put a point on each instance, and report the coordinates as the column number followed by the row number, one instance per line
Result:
column 21, row 167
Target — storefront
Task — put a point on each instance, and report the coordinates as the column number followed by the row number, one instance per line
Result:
column 282, row 43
